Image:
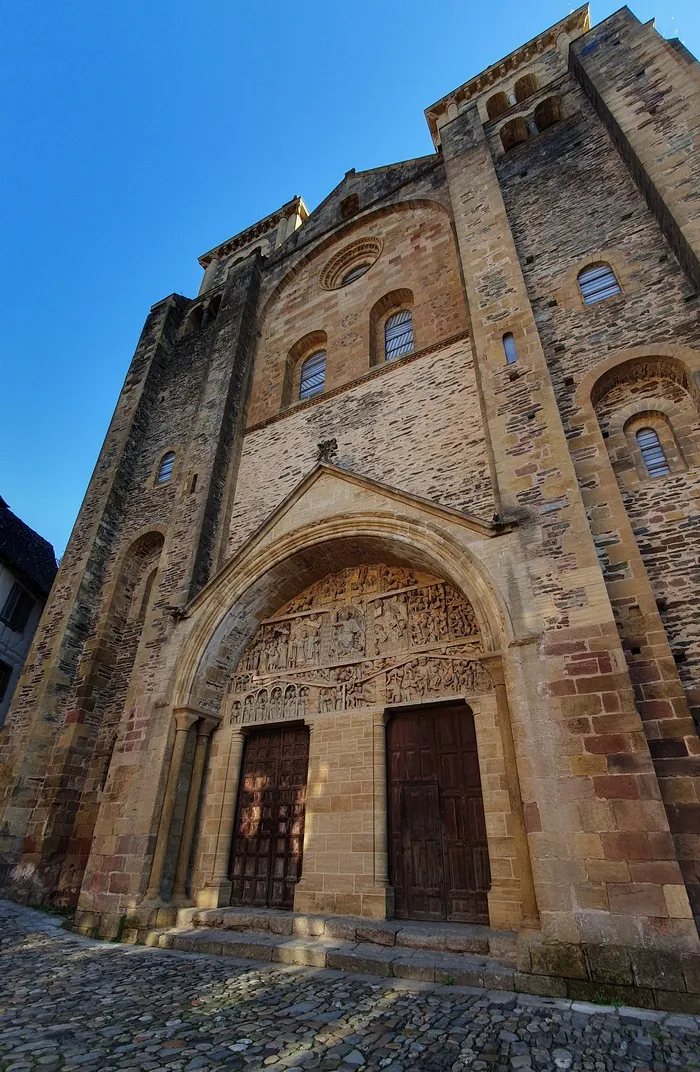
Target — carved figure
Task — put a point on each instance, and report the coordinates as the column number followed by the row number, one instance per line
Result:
column 390, row 609
column 290, row 701
column 276, row 703
column 254, row 653
column 275, row 651
column 391, row 624
column 461, row 618
column 348, row 631
column 261, row 706
column 312, row 639
column 235, row 713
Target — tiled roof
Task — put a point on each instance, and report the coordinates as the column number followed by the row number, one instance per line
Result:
column 25, row 551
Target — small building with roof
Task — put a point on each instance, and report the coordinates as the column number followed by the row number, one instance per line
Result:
column 27, row 569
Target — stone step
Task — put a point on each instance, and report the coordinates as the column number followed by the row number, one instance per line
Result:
column 366, row 958
column 433, row 937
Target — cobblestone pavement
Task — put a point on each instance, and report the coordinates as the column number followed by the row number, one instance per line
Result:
column 67, row 1002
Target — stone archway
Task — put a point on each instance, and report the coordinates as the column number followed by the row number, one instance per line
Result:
column 363, row 637
column 338, row 658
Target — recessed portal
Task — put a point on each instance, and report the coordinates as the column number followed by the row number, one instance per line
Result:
column 439, row 862
column 267, row 849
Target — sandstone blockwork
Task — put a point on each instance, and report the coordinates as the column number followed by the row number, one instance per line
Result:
column 399, row 518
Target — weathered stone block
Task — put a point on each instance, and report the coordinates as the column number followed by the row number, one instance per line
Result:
column 656, row 970
column 610, row 964
column 546, row 985
column 566, row 961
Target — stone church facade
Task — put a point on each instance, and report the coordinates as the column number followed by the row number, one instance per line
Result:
column 383, row 597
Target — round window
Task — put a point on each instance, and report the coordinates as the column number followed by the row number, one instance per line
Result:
column 351, row 262
column 353, row 274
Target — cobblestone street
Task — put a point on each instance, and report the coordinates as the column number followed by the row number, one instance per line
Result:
column 67, row 1002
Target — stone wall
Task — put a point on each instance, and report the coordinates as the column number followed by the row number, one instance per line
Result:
column 414, row 424
column 412, row 256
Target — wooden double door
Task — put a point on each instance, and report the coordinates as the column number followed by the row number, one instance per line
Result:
column 266, row 854
column 438, row 855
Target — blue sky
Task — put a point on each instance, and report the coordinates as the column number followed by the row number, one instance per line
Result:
column 140, row 134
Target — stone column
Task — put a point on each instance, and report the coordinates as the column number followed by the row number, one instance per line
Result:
column 209, row 276
column 217, row 891
column 204, row 729
column 381, row 900
column 531, row 918
column 281, row 232
column 184, row 720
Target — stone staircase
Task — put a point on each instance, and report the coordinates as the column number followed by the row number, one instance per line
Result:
column 459, row 954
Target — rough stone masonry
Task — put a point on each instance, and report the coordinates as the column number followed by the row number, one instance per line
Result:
column 383, row 600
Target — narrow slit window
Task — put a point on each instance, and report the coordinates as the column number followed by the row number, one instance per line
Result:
column 313, row 375
column 398, row 334
column 165, row 469
column 652, row 453
column 510, row 349
column 598, row 283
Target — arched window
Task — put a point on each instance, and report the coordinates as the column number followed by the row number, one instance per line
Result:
column 213, row 308
column 165, row 469
column 313, row 375
column 193, row 320
column 547, row 113
column 525, row 87
column 652, row 453
column 496, row 105
column 510, row 349
column 398, row 334
column 513, row 133
column 598, row 282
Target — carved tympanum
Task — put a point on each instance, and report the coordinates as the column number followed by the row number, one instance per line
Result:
column 364, row 637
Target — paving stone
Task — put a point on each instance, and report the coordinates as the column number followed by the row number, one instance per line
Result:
column 78, row 1004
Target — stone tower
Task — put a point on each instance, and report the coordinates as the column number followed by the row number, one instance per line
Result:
column 383, row 598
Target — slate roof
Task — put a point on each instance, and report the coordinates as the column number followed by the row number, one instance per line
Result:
column 25, row 551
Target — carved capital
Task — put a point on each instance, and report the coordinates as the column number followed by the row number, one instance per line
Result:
column 185, row 718
column 494, row 665
column 206, row 725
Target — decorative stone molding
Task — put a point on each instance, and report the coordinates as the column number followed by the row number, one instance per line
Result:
column 361, row 638
column 557, row 36
column 363, row 251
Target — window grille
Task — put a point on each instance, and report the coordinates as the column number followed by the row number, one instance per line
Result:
column 652, row 452
column 398, row 334
column 598, row 283
column 510, row 349
column 5, row 675
column 165, row 469
column 313, row 375
column 18, row 606
column 354, row 274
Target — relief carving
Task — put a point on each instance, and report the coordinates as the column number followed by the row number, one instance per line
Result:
column 358, row 638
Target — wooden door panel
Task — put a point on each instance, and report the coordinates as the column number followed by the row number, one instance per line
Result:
column 437, row 833
column 266, row 855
